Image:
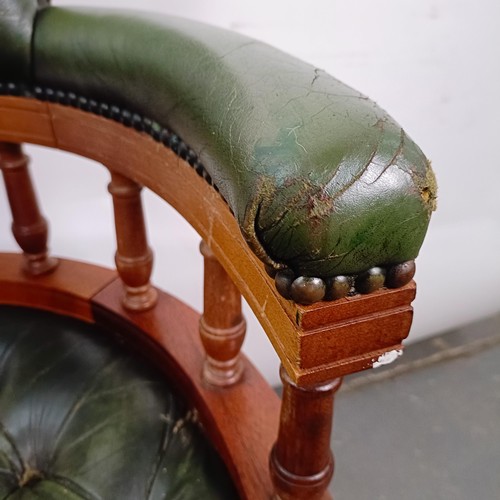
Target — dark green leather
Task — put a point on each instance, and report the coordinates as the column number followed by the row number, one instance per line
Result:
column 16, row 29
column 319, row 177
column 80, row 418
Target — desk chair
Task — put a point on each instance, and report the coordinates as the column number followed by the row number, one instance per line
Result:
column 310, row 200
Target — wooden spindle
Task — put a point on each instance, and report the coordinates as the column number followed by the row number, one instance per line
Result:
column 222, row 326
column 29, row 227
column 134, row 258
column 301, row 461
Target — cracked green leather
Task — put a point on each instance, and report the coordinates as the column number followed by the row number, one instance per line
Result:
column 80, row 418
column 320, row 179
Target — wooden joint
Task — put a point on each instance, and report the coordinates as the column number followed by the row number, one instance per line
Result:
column 135, row 271
column 138, row 298
column 301, row 461
column 126, row 190
column 292, row 486
column 12, row 157
column 223, row 365
column 39, row 264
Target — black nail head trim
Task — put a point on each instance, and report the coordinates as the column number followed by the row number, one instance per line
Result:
column 155, row 131
column 165, row 137
column 115, row 113
column 126, row 118
column 50, row 94
column 137, row 122
column 200, row 169
column 61, row 97
column 72, row 99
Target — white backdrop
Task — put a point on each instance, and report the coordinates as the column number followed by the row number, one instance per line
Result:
column 433, row 64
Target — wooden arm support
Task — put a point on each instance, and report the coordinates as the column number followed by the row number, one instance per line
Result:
column 29, row 227
column 134, row 258
column 301, row 461
column 222, row 326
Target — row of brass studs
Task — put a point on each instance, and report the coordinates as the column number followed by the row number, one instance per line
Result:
column 307, row 290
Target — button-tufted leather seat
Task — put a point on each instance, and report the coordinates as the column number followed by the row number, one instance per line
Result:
column 81, row 418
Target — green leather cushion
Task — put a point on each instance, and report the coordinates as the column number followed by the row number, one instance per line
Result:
column 80, row 418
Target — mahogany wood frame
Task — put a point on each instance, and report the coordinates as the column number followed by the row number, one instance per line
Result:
column 317, row 344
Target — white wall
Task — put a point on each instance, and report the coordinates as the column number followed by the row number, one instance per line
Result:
column 433, row 64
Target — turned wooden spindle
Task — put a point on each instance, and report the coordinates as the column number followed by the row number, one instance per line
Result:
column 134, row 258
column 29, row 227
column 222, row 326
column 301, row 461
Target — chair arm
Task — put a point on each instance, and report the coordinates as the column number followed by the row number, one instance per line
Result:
column 321, row 180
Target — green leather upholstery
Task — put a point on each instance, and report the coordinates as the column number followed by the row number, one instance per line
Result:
column 16, row 29
column 319, row 177
column 80, row 418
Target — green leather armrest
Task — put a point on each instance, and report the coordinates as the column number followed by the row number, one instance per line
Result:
column 321, row 180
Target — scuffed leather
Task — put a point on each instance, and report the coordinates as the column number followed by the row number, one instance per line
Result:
column 80, row 418
column 16, row 28
column 319, row 177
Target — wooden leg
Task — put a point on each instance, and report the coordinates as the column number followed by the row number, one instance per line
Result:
column 29, row 227
column 134, row 258
column 301, row 461
column 222, row 326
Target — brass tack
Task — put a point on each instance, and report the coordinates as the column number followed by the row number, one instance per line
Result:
column 283, row 280
column 400, row 274
column 307, row 290
column 337, row 287
column 371, row 280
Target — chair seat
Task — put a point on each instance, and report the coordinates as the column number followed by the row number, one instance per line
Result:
column 80, row 417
